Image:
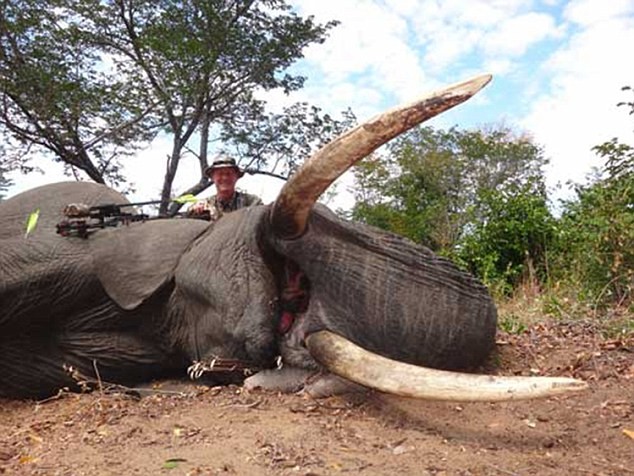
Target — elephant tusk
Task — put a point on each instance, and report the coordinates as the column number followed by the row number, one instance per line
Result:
column 354, row 363
column 297, row 197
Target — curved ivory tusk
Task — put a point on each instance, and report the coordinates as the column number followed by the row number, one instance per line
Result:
column 299, row 194
column 354, row 363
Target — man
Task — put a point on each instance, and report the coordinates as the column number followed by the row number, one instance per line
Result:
column 224, row 173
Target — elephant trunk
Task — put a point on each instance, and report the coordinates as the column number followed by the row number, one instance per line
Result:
column 297, row 197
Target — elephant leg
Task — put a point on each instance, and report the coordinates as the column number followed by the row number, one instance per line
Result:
column 38, row 367
column 119, row 357
column 309, row 382
column 328, row 385
column 32, row 369
column 286, row 380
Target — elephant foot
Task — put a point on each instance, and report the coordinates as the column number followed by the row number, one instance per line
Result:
column 285, row 380
column 329, row 385
column 305, row 382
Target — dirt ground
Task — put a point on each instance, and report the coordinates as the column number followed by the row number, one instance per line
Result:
column 225, row 431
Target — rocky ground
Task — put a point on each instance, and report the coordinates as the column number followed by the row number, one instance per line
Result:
column 225, row 431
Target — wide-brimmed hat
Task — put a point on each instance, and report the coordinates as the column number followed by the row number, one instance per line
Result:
column 223, row 163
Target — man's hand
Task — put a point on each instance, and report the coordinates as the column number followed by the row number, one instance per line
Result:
column 198, row 208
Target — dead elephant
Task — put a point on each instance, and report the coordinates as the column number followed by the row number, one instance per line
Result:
column 138, row 302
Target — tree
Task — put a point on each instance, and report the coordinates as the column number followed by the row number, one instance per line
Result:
column 596, row 246
column 282, row 140
column 509, row 245
column 629, row 103
column 56, row 99
column 5, row 183
column 597, row 242
column 477, row 196
column 429, row 186
column 177, row 67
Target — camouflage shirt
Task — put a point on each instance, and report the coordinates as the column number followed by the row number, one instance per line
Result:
column 216, row 208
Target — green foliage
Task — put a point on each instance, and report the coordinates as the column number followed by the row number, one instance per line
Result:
column 479, row 197
column 618, row 328
column 282, row 140
column 597, row 231
column 511, row 324
column 596, row 244
column 476, row 196
column 509, row 246
column 407, row 204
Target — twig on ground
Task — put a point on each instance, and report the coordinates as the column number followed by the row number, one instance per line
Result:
column 99, row 382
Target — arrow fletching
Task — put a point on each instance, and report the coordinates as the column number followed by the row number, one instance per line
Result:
column 189, row 198
column 31, row 222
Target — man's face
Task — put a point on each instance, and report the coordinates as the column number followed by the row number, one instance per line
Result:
column 225, row 180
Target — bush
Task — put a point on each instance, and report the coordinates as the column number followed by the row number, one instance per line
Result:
column 596, row 241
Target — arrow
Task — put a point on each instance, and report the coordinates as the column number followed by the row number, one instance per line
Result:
column 31, row 222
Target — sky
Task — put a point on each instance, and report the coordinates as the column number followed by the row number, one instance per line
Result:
column 558, row 68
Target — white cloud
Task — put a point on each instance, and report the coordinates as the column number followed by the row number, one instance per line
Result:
column 368, row 50
column 498, row 67
column 579, row 109
column 590, row 12
column 514, row 36
column 449, row 46
column 369, row 34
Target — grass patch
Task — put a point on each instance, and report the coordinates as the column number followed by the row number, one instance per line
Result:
column 527, row 308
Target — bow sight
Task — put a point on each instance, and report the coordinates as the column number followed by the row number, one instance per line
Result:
column 81, row 219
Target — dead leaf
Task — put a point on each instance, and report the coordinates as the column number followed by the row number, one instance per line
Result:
column 26, row 459
column 35, row 438
column 172, row 463
column 629, row 433
column 530, row 423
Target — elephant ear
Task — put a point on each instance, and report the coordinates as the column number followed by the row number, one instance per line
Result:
column 134, row 261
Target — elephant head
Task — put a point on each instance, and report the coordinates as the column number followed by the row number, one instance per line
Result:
column 287, row 280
